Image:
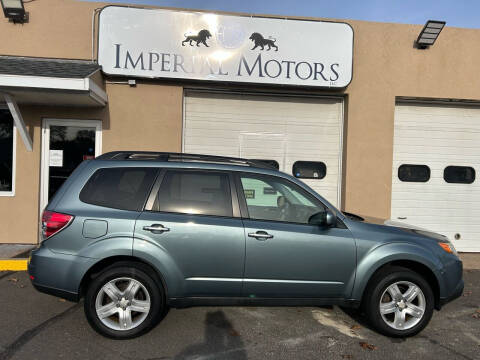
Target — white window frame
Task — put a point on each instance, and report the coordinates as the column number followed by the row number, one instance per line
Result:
column 14, row 158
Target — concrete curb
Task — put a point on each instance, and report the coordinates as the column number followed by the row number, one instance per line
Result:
column 18, row 262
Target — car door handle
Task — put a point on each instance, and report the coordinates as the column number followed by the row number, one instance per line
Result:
column 156, row 228
column 260, row 235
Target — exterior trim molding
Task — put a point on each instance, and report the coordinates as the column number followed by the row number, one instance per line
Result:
column 18, row 121
column 263, row 280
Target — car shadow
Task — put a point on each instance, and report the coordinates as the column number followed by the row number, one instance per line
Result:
column 356, row 315
column 221, row 340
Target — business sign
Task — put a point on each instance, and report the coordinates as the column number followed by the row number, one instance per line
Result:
column 189, row 45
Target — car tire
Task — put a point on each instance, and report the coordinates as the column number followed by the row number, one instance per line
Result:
column 391, row 305
column 124, row 301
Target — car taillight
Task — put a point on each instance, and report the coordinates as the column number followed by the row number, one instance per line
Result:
column 53, row 222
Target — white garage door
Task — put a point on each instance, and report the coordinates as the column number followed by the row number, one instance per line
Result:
column 284, row 129
column 445, row 141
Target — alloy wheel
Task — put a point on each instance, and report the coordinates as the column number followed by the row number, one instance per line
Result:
column 122, row 303
column 402, row 305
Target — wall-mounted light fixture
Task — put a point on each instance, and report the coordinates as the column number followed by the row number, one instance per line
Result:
column 14, row 11
column 429, row 33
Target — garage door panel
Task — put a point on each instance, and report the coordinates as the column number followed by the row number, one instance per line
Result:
column 213, row 150
column 259, row 110
column 285, row 129
column 282, row 122
column 212, row 126
column 429, row 219
column 445, row 145
column 225, row 113
column 255, row 119
column 299, row 141
column 439, row 132
column 434, row 205
column 438, row 136
column 450, row 197
column 440, row 159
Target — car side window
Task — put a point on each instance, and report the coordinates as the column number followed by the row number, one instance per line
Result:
column 195, row 192
column 119, row 188
column 277, row 199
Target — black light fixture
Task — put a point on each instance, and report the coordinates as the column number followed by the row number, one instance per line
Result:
column 429, row 33
column 14, row 11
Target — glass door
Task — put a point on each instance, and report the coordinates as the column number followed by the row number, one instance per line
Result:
column 65, row 144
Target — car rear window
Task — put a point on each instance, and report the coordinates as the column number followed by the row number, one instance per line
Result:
column 119, row 188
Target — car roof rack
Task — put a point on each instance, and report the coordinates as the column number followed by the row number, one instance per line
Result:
column 182, row 157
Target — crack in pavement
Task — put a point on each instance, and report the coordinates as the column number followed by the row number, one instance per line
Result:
column 453, row 351
column 10, row 350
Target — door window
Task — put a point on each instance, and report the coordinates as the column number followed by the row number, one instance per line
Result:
column 414, row 173
column 309, row 169
column 69, row 146
column 276, row 199
column 459, row 174
column 195, row 192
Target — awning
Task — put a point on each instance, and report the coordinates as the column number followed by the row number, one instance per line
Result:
column 50, row 82
column 53, row 82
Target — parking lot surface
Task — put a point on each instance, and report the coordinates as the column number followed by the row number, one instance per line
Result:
column 38, row 326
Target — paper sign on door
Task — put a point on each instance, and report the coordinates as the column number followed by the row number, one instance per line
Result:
column 56, row 158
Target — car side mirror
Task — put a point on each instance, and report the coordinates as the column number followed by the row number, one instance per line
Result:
column 325, row 218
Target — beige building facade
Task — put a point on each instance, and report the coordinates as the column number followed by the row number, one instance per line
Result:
column 391, row 77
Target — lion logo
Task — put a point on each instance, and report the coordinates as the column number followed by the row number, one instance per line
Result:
column 200, row 38
column 259, row 40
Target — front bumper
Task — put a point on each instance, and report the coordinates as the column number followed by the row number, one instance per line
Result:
column 455, row 295
column 453, row 281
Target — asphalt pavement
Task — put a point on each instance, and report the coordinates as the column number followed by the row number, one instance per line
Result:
column 38, row 326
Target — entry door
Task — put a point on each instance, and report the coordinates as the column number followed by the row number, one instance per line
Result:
column 65, row 144
column 285, row 256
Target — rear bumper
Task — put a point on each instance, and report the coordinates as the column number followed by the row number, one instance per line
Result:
column 57, row 292
column 57, row 274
